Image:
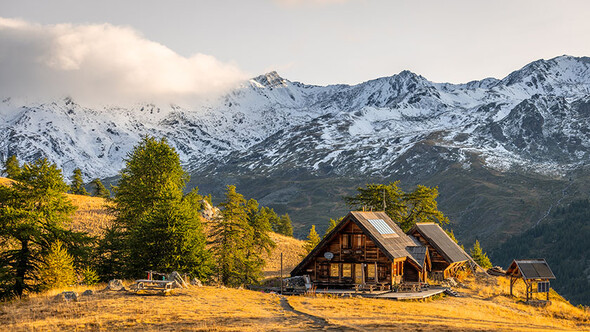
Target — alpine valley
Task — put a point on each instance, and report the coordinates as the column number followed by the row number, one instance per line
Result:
column 504, row 153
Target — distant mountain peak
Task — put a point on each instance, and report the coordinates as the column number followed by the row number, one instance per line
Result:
column 270, row 80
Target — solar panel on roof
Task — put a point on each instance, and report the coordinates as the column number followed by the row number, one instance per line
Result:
column 382, row 227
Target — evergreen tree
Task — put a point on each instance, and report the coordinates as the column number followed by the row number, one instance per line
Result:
column 230, row 239
column 57, row 270
column 332, row 224
column 11, row 167
column 421, row 206
column 77, row 187
column 479, row 256
column 157, row 227
column 284, row 225
column 404, row 208
column 313, row 239
column 99, row 189
column 260, row 241
column 34, row 214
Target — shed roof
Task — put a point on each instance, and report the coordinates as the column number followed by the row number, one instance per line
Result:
column 441, row 241
column 530, row 269
column 386, row 234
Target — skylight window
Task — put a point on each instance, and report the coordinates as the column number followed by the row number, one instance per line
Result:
column 382, row 227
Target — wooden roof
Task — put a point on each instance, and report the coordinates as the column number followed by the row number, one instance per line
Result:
column 530, row 269
column 383, row 231
column 441, row 241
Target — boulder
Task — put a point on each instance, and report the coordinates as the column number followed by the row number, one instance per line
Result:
column 66, row 297
column 88, row 292
column 196, row 282
column 115, row 285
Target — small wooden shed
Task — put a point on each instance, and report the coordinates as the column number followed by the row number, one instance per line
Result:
column 446, row 255
column 534, row 272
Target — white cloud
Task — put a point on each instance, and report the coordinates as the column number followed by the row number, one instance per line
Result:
column 103, row 63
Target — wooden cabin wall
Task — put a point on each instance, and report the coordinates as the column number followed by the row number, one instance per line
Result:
column 356, row 260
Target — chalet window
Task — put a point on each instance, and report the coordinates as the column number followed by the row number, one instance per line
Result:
column 346, row 243
column 334, row 270
column 358, row 241
column 346, row 270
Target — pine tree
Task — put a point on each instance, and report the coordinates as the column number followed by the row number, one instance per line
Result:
column 421, row 206
column 58, row 268
column 77, row 187
column 313, row 239
column 404, row 208
column 284, row 225
column 34, row 214
column 11, row 167
column 230, row 239
column 332, row 224
column 157, row 227
column 99, row 189
column 479, row 256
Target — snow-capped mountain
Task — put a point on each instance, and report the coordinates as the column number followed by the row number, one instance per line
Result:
column 536, row 117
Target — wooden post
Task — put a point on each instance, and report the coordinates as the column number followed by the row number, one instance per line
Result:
column 281, row 273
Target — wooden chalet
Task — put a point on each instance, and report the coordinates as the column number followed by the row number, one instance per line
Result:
column 366, row 249
column 534, row 272
column 447, row 256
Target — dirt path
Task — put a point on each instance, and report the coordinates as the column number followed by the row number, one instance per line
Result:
column 318, row 323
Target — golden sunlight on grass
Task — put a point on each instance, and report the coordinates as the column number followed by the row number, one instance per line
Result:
column 292, row 250
column 91, row 216
column 5, row 181
column 204, row 308
column 485, row 306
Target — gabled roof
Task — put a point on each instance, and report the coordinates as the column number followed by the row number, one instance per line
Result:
column 383, row 231
column 530, row 269
column 441, row 241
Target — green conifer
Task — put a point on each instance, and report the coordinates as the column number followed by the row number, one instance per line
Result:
column 156, row 226
column 313, row 238
column 479, row 256
column 99, row 189
column 11, row 167
column 284, row 225
column 332, row 224
column 58, row 268
column 77, row 187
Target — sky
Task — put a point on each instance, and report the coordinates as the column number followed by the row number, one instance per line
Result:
column 140, row 49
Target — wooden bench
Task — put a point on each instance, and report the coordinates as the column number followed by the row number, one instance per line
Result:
column 410, row 287
column 163, row 286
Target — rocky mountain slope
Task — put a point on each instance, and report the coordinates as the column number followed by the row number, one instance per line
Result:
column 300, row 147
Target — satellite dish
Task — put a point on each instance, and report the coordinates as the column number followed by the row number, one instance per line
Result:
column 328, row 255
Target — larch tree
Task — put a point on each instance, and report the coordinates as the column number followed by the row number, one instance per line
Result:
column 406, row 209
column 332, row 224
column 99, row 189
column 479, row 256
column 12, row 167
column 283, row 225
column 77, row 186
column 230, row 239
column 34, row 214
column 313, row 238
column 156, row 226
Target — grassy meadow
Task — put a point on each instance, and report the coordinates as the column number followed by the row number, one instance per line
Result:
column 484, row 304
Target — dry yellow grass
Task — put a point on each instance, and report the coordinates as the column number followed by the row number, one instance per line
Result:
column 292, row 250
column 91, row 216
column 486, row 306
column 204, row 308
